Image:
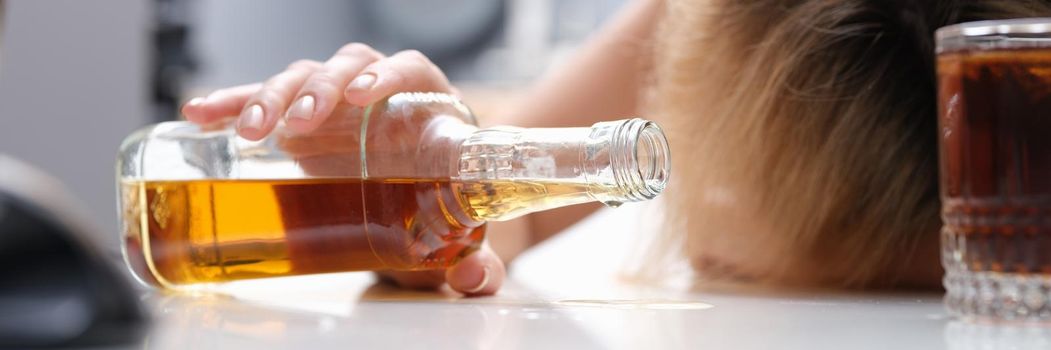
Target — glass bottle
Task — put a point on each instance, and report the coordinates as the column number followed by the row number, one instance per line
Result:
column 405, row 184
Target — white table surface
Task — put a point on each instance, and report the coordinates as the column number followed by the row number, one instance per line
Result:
column 564, row 294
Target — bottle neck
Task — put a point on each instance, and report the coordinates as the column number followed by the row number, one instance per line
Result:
column 508, row 172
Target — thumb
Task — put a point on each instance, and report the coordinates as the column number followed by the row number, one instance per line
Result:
column 481, row 273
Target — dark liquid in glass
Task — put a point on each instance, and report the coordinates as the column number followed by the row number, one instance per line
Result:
column 995, row 137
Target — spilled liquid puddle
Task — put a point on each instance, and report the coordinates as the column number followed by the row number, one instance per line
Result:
column 636, row 304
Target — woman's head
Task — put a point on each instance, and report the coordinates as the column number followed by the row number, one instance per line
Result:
column 814, row 128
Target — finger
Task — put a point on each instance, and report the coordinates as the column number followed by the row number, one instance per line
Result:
column 263, row 108
column 404, row 71
column 415, row 279
column 481, row 273
column 219, row 104
column 324, row 89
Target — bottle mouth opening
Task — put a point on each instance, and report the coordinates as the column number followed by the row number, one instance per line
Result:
column 649, row 161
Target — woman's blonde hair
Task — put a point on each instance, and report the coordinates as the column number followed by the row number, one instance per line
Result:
column 804, row 134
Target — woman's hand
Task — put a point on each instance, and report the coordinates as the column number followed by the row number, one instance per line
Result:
column 307, row 92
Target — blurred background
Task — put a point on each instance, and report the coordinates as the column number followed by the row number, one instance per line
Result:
column 79, row 75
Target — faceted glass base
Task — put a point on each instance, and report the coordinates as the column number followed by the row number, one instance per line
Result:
column 997, row 296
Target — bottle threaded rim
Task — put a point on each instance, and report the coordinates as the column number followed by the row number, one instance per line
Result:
column 641, row 159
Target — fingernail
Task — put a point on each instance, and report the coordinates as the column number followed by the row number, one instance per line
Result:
column 252, row 118
column 195, row 101
column 302, row 109
column 363, row 82
column 481, row 285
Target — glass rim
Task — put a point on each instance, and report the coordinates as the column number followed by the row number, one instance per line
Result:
column 1035, row 25
column 1032, row 32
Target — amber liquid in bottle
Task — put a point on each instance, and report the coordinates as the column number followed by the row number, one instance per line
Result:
column 194, row 231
